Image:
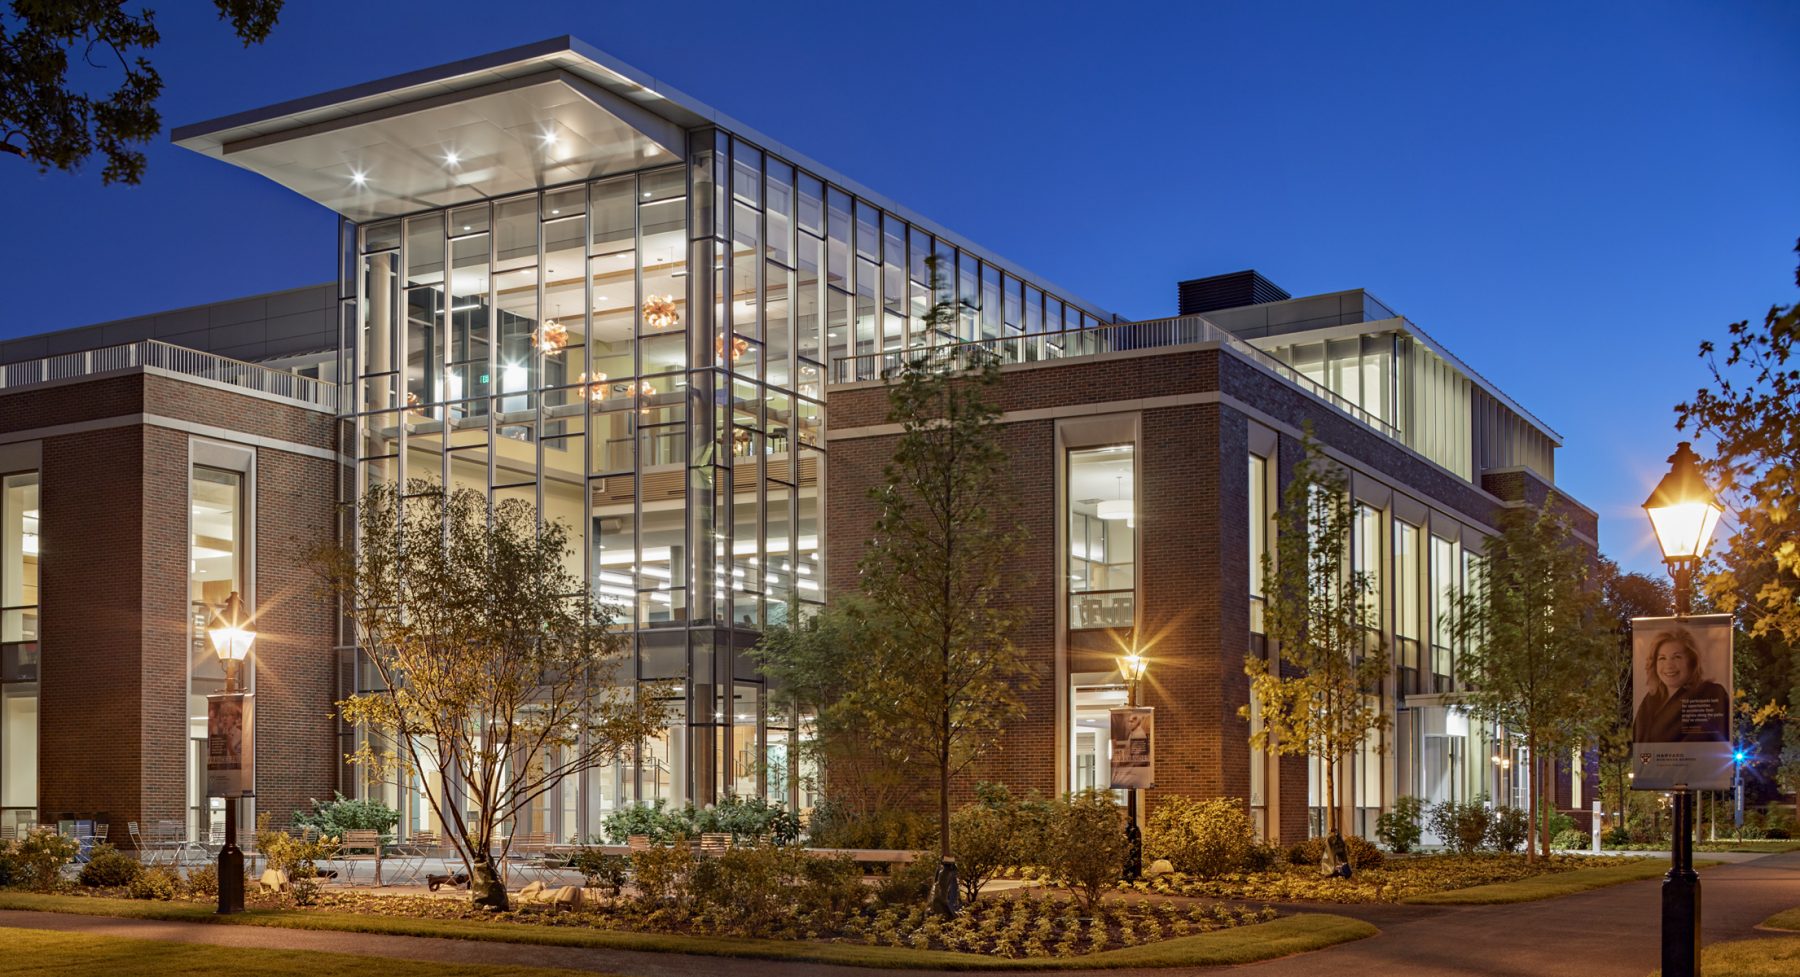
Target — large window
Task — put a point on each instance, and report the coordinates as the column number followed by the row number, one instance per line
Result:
column 1102, row 537
column 216, row 557
column 1446, row 580
column 1365, row 555
column 1259, row 537
column 1408, row 610
column 18, row 648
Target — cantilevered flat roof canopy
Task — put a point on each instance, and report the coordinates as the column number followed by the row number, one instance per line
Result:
column 479, row 128
column 414, row 143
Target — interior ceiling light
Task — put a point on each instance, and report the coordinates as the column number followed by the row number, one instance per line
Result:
column 359, row 178
column 551, row 337
column 596, row 388
column 659, row 312
column 738, row 347
column 1119, row 508
column 451, row 158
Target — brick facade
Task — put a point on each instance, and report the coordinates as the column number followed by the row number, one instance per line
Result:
column 114, row 628
column 1194, row 408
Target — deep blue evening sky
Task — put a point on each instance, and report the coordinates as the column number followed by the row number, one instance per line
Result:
column 1569, row 196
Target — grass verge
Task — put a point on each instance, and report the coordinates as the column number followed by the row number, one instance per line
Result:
column 46, row 953
column 1242, row 944
column 1787, row 919
column 1547, row 886
column 1772, row 957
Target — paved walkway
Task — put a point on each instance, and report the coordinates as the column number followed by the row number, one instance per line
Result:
column 1602, row 933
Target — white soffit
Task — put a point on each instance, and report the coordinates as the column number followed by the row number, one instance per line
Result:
column 450, row 147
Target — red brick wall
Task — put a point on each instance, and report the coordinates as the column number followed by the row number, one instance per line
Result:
column 115, row 631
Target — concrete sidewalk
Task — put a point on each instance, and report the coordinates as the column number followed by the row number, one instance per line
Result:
column 1611, row 932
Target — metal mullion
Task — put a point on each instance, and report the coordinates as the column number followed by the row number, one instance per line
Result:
column 541, row 361
column 493, row 353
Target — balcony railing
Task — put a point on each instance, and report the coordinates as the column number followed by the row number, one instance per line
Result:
column 174, row 359
column 1111, row 338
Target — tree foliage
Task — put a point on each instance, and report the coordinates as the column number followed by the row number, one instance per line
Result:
column 495, row 662
column 816, row 668
column 1623, row 596
column 1324, row 700
column 49, row 119
column 1535, row 643
column 1751, row 414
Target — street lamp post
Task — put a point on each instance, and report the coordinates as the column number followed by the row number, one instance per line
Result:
column 1683, row 513
column 231, row 637
column 1133, row 666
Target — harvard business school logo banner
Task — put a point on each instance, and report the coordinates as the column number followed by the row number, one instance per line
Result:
column 1681, row 702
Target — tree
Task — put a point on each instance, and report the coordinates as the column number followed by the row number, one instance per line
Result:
column 1752, row 416
column 46, row 120
column 1324, row 700
column 1623, row 596
column 494, row 660
column 1535, row 645
column 946, row 675
column 814, row 668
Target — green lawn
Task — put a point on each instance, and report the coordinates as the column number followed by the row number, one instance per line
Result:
column 1547, row 886
column 1787, row 919
column 43, row 953
column 1240, row 944
column 1777, row 956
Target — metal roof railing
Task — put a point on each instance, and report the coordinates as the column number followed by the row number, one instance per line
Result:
column 173, row 359
column 1110, row 338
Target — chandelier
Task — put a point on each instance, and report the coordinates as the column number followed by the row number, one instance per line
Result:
column 646, row 390
column 551, row 337
column 413, row 406
column 596, row 388
column 738, row 347
column 659, row 312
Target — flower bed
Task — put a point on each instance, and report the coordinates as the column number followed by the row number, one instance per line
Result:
column 1398, row 878
column 1016, row 926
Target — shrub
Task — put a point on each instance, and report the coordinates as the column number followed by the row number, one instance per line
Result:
column 1507, row 830
column 8, row 865
column 1572, row 840
column 1204, row 838
column 984, row 837
column 154, row 882
column 1086, row 850
column 298, row 857
column 1461, row 827
column 1616, row 836
column 38, row 858
column 746, row 891
column 1560, row 822
column 662, row 871
column 340, row 814
column 909, row 884
column 601, row 870
column 745, row 819
column 108, row 868
column 1262, row 857
column 833, row 826
column 1401, row 828
column 1363, row 852
column 203, row 881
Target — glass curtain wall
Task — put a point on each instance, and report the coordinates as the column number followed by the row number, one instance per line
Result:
column 18, row 649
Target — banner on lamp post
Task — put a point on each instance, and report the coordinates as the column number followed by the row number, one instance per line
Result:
column 1681, row 702
column 230, row 746
column 1133, row 748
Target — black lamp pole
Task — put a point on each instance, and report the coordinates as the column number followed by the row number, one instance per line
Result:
column 1134, row 839
column 231, row 638
column 1681, row 886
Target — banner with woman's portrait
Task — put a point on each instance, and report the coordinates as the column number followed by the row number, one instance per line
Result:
column 230, row 745
column 1681, row 702
column 1133, row 748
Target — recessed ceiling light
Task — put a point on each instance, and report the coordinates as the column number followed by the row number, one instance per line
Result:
column 646, row 193
column 358, row 177
column 550, row 137
column 451, row 158
column 465, row 227
column 554, row 212
column 599, row 298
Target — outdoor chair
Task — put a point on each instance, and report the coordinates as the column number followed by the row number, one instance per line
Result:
column 529, row 853
column 360, row 845
column 410, row 856
column 715, row 842
column 637, row 842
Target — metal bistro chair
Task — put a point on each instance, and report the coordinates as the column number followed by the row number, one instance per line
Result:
column 409, row 856
column 360, row 845
column 528, row 855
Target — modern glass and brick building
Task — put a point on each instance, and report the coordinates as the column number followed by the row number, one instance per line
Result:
column 564, row 282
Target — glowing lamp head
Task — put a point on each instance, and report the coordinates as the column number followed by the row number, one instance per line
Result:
column 1133, row 666
column 1683, row 510
column 230, row 632
column 1739, row 756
